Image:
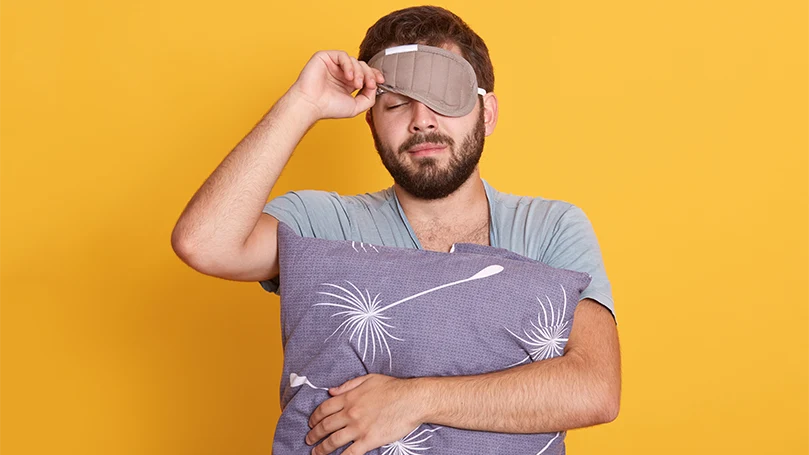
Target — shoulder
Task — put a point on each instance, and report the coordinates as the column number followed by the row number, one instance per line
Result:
column 309, row 200
column 328, row 214
column 535, row 226
column 555, row 232
column 531, row 206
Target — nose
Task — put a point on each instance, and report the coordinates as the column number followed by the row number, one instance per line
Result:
column 423, row 118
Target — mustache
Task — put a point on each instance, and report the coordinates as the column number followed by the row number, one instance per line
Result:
column 431, row 137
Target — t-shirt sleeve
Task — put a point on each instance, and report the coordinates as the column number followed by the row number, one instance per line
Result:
column 310, row 213
column 574, row 246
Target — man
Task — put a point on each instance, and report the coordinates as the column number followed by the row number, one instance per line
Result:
column 438, row 198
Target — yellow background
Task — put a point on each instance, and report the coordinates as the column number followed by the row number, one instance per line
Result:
column 679, row 127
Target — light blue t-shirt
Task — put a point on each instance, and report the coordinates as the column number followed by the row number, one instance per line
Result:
column 554, row 232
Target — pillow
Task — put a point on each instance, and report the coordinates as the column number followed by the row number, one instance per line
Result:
column 351, row 308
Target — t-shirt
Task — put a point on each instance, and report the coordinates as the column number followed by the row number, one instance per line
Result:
column 554, row 232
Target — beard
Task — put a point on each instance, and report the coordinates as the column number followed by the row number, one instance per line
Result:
column 425, row 178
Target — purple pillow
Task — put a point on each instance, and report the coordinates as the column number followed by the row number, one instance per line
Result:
column 351, row 308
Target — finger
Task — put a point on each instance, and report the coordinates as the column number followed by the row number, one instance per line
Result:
column 364, row 100
column 326, row 427
column 370, row 77
column 380, row 78
column 327, row 408
column 359, row 76
column 346, row 65
column 335, row 441
column 348, row 385
column 376, row 73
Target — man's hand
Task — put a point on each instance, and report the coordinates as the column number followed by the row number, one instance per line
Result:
column 328, row 80
column 371, row 410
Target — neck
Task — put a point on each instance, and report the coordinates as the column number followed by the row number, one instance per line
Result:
column 468, row 202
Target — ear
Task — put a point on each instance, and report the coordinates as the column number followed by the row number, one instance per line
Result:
column 368, row 118
column 489, row 112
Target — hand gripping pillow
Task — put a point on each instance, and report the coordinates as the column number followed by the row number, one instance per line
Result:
column 351, row 308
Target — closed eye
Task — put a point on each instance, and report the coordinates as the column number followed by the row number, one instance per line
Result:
column 396, row 105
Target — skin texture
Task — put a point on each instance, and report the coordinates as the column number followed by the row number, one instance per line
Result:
column 428, row 177
column 578, row 389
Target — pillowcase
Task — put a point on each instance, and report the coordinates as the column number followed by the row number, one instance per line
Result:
column 350, row 309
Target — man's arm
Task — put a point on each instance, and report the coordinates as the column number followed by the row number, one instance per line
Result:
column 578, row 389
column 215, row 232
column 222, row 231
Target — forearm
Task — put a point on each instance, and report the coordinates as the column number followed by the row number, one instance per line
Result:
column 225, row 209
column 555, row 394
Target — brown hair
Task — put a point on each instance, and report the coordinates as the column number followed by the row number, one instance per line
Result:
column 433, row 26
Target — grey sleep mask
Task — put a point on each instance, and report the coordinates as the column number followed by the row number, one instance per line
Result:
column 440, row 79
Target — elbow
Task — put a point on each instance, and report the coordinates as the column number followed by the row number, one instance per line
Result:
column 603, row 392
column 597, row 412
column 201, row 257
column 187, row 251
column 180, row 245
column 609, row 412
column 608, row 407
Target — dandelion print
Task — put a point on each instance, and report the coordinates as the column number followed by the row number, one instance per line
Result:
column 297, row 381
column 546, row 339
column 364, row 315
column 410, row 444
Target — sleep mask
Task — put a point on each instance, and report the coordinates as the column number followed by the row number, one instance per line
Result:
column 442, row 80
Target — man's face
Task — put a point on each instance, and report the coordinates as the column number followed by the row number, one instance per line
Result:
column 401, row 126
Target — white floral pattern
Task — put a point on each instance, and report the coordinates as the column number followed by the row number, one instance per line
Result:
column 547, row 339
column 296, row 380
column 365, row 318
column 410, row 444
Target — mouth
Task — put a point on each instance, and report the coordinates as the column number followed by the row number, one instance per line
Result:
column 426, row 149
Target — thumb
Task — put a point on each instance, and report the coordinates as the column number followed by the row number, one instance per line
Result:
column 348, row 385
column 364, row 100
